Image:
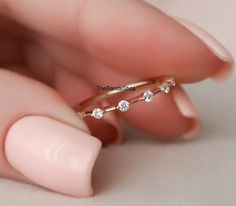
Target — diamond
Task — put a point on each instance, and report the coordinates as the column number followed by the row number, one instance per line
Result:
column 165, row 87
column 123, row 105
column 172, row 81
column 97, row 113
column 148, row 95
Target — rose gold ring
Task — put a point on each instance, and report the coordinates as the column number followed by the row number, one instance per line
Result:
column 87, row 107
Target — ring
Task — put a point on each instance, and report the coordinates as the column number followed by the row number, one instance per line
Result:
column 155, row 86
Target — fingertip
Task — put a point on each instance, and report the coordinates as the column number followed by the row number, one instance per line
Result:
column 225, row 69
column 53, row 154
column 188, row 110
column 225, row 73
column 166, row 117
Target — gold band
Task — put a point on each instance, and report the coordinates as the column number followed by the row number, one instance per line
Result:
column 161, row 84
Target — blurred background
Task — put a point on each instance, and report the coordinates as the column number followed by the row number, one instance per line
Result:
column 200, row 172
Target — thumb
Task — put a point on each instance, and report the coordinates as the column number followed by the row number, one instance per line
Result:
column 42, row 140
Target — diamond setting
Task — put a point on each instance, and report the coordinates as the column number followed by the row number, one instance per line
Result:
column 163, row 84
column 97, row 113
column 148, row 95
column 165, row 87
column 172, row 82
column 123, row 106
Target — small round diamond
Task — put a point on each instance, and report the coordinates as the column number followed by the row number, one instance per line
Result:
column 165, row 87
column 123, row 105
column 97, row 113
column 172, row 81
column 148, row 95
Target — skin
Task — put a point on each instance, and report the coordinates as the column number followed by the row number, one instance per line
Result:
column 60, row 49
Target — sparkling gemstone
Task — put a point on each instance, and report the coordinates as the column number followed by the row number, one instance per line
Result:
column 97, row 113
column 172, row 81
column 123, row 105
column 165, row 87
column 148, row 95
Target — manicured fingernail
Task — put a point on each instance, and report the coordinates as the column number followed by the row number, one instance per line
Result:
column 52, row 154
column 215, row 46
column 188, row 110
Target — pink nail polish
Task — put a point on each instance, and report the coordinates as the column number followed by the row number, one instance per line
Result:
column 52, row 154
column 215, row 46
column 187, row 109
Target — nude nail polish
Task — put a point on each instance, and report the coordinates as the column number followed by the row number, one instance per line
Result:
column 215, row 46
column 52, row 154
column 187, row 109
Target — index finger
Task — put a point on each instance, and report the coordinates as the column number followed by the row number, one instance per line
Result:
column 128, row 35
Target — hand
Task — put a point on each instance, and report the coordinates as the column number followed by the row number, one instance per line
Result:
column 54, row 54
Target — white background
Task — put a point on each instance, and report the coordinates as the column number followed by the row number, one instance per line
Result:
column 144, row 172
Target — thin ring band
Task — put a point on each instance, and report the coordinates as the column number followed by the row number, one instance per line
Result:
column 161, row 84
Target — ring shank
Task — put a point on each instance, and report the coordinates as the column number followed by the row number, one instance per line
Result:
column 154, row 83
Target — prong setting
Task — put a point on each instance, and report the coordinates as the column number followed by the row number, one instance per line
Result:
column 148, row 95
column 123, row 105
column 165, row 87
column 97, row 113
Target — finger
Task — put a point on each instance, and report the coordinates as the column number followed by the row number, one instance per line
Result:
column 12, row 40
column 183, row 124
column 10, row 51
column 131, row 36
column 168, row 116
column 75, row 89
column 11, row 28
column 41, row 137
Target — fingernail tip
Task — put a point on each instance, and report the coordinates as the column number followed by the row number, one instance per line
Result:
column 79, row 163
column 194, row 129
column 91, row 166
column 225, row 73
column 187, row 109
column 86, row 188
column 216, row 47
